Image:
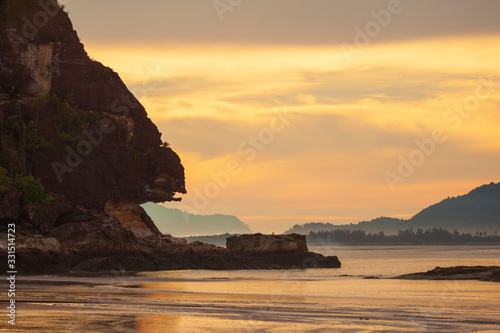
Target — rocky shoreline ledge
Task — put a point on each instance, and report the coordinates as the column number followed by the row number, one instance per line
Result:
column 481, row 273
column 107, row 247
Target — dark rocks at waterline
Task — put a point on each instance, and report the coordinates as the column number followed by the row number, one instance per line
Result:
column 287, row 251
column 104, row 245
column 266, row 243
column 481, row 273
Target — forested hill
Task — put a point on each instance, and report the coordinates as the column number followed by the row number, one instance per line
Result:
column 477, row 211
column 388, row 225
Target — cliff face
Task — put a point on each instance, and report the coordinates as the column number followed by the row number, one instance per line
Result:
column 103, row 153
column 79, row 155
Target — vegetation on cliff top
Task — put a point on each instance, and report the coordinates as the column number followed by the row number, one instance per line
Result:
column 98, row 71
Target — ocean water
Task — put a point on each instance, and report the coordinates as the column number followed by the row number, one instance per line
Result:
column 359, row 297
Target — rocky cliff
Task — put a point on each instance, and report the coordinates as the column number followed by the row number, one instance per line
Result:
column 100, row 152
column 79, row 155
column 78, row 151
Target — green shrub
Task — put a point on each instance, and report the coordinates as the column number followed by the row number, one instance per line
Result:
column 33, row 140
column 43, row 99
column 31, row 188
column 5, row 181
column 20, row 135
column 70, row 99
column 71, row 138
column 99, row 71
column 33, row 191
column 69, row 119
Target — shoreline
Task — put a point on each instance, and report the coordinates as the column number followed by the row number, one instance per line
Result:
column 148, row 303
column 452, row 273
column 403, row 244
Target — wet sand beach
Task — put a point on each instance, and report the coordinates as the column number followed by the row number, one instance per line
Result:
column 278, row 302
column 313, row 300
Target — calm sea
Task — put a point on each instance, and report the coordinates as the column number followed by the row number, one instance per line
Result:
column 314, row 300
column 336, row 300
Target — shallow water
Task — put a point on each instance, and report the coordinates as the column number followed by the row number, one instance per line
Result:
column 314, row 300
column 392, row 261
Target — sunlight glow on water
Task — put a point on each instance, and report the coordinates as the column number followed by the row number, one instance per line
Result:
column 340, row 300
column 313, row 300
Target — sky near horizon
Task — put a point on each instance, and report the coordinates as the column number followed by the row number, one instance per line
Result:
column 287, row 112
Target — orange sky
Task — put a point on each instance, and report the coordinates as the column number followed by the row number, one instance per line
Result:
column 279, row 134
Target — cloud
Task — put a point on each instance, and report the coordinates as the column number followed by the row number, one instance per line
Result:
column 299, row 22
column 402, row 79
column 211, row 85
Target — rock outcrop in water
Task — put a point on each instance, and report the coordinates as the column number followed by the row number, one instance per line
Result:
column 238, row 255
column 289, row 251
column 259, row 243
column 482, row 273
column 79, row 155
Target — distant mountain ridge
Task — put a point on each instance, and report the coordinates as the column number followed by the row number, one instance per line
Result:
column 179, row 223
column 479, row 210
column 476, row 211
